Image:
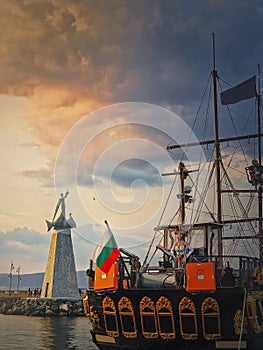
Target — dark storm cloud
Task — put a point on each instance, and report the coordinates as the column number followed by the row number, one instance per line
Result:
column 152, row 51
column 136, row 169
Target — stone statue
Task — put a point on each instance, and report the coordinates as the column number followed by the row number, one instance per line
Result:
column 61, row 222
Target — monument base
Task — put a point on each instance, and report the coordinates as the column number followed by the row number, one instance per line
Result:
column 60, row 280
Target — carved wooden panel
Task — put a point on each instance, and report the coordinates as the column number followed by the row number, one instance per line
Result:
column 165, row 318
column 187, row 317
column 211, row 319
column 127, row 318
column 148, row 318
column 110, row 317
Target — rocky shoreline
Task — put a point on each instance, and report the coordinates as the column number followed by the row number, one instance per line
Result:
column 41, row 307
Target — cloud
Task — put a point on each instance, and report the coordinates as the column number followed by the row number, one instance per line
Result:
column 43, row 175
column 70, row 58
column 129, row 165
column 22, row 235
column 127, row 172
column 114, row 50
column 26, row 248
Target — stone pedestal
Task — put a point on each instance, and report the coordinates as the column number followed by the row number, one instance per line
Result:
column 60, row 280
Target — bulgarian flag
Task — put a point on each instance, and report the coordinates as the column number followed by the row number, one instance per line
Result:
column 106, row 252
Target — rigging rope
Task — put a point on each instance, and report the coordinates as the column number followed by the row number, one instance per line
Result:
column 154, row 236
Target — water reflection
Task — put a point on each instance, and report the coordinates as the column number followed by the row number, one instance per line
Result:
column 45, row 333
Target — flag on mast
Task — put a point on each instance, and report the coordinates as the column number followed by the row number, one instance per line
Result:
column 106, row 252
column 245, row 90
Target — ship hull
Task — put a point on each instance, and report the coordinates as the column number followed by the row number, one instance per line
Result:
column 143, row 319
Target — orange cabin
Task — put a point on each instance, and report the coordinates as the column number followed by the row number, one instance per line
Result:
column 107, row 281
column 200, row 277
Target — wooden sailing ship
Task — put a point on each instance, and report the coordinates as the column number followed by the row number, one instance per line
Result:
column 200, row 295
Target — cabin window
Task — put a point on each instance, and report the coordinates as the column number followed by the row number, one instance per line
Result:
column 198, row 239
column 110, row 317
column 148, row 318
column 211, row 319
column 127, row 318
column 188, row 322
column 165, row 318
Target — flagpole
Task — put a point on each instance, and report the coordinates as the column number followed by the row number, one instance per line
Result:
column 10, row 276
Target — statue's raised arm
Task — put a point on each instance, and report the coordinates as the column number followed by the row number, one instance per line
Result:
column 61, row 202
column 61, row 222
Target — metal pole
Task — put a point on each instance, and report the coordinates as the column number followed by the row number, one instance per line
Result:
column 18, row 278
column 182, row 202
column 10, row 277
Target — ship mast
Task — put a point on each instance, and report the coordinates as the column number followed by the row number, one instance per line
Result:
column 218, row 163
column 217, row 153
column 260, row 162
column 182, row 202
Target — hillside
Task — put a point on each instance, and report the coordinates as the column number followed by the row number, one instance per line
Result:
column 35, row 280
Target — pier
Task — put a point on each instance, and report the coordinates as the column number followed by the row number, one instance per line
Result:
column 20, row 304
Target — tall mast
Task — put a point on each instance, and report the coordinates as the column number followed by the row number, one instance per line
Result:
column 217, row 152
column 182, row 202
column 260, row 162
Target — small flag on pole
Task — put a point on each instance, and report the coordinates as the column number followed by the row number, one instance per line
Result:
column 106, row 252
column 240, row 92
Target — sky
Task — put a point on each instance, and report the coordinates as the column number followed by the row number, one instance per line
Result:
column 90, row 93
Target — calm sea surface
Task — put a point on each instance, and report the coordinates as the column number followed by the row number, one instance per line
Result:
column 45, row 333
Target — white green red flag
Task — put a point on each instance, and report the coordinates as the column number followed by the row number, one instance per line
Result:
column 106, row 252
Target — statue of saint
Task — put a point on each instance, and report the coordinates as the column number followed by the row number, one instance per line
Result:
column 61, row 222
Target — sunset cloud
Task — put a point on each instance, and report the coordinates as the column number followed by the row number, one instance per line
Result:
column 71, row 57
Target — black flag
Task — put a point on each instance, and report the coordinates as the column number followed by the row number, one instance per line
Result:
column 240, row 92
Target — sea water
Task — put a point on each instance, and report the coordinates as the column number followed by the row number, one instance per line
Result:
column 45, row 333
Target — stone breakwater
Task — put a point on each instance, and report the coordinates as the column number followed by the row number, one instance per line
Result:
column 41, row 307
